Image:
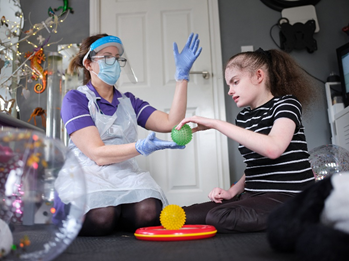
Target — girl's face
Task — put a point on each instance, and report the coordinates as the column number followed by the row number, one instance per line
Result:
column 243, row 87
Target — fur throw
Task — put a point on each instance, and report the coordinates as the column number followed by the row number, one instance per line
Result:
column 315, row 223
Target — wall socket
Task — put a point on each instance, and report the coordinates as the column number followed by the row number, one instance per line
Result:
column 247, row 48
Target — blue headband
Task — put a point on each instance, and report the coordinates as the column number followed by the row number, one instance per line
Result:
column 105, row 42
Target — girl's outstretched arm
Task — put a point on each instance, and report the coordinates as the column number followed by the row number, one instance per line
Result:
column 271, row 145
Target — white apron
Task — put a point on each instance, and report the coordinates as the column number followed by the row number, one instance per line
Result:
column 114, row 184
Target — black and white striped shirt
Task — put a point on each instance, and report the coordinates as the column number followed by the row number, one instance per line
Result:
column 291, row 172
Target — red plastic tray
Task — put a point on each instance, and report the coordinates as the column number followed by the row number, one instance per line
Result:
column 187, row 232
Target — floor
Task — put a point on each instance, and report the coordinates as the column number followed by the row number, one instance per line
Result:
column 125, row 246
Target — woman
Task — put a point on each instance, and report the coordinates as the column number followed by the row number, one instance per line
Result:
column 102, row 125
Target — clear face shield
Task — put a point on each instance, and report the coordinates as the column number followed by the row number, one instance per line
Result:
column 124, row 62
column 127, row 70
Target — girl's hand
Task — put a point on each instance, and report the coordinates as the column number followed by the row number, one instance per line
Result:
column 202, row 123
column 218, row 194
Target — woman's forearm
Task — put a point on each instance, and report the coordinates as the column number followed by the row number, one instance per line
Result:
column 160, row 121
column 90, row 143
column 109, row 154
column 179, row 103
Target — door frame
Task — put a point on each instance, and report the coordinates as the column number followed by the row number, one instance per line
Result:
column 217, row 80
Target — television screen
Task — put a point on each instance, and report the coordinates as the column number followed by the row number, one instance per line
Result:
column 343, row 64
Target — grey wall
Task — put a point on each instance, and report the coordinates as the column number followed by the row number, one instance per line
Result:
column 248, row 22
column 73, row 29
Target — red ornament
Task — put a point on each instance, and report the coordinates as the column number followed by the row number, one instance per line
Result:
column 6, row 154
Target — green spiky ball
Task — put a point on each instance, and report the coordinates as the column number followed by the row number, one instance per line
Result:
column 182, row 136
column 172, row 217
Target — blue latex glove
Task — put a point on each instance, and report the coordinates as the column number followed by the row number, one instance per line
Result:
column 184, row 60
column 151, row 144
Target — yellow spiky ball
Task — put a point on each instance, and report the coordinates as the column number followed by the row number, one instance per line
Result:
column 172, row 217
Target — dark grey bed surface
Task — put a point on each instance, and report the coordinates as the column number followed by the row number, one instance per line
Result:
column 125, row 246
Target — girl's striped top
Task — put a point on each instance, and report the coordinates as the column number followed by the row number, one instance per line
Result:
column 291, row 172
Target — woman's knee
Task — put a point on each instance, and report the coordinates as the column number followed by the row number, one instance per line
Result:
column 102, row 215
column 99, row 222
column 141, row 214
column 149, row 209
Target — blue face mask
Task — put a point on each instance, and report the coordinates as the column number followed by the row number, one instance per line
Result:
column 108, row 73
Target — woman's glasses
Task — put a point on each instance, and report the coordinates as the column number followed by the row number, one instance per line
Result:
column 110, row 60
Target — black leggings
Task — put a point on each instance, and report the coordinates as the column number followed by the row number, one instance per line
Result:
column 247, row 212
column 125, row 217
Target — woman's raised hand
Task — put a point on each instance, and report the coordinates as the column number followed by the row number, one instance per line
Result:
column 184, row 60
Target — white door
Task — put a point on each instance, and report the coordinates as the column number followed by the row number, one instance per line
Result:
column 148, row 29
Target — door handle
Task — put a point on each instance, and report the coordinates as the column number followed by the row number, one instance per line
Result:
column 205, row 74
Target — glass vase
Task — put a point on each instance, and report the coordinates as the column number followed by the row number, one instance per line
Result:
column 54, row 128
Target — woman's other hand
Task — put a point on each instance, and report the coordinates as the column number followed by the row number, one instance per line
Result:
column 151, row 144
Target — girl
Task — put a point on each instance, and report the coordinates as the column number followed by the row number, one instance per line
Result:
column 271, row 138
column 102, row 125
